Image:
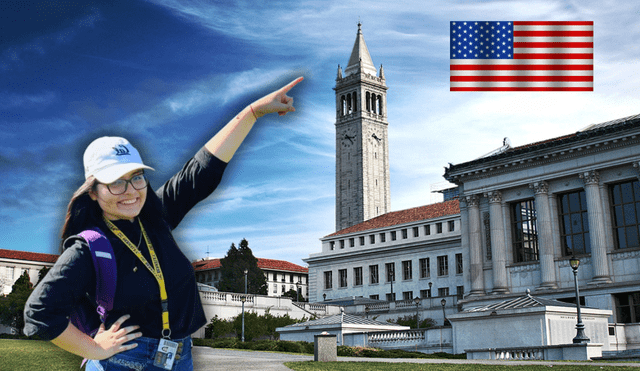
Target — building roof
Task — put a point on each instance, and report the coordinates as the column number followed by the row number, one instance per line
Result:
column 344, row 319
column 588, row 132
column 360, row 57
column 30, row 256
column 526, row 301
column 415, row 214
column 270, row 264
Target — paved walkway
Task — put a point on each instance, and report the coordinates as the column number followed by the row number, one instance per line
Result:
column 206, row 359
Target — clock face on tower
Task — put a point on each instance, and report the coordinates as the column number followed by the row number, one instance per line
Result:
column 374, row 136
column 348, row 137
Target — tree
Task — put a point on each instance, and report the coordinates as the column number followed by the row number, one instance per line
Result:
column 232, row 268
column 12, row 306
column 293, row 295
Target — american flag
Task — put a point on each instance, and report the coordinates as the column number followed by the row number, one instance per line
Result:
column 521, row 56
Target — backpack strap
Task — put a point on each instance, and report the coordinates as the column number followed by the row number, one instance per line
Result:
column 104, row 263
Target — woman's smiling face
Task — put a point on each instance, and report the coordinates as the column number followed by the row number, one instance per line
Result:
column 124, row 206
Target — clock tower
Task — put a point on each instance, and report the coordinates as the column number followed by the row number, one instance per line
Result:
column 362, row 146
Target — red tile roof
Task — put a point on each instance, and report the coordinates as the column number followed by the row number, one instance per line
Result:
column 25, row 255
column 278, row 265
column 415, row 214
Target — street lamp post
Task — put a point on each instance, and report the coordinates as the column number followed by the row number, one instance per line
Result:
column 244, row 298
column 444, row 302
column 580, row 335
column 417, row 301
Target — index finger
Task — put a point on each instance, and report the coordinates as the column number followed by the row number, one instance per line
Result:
column 290, row 85
column 120, row 321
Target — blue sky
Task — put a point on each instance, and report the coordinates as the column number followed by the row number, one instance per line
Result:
column 168, row 74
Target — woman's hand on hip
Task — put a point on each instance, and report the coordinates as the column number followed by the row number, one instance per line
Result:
column 113, row 340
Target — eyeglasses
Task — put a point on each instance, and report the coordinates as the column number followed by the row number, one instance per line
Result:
column 138, row 181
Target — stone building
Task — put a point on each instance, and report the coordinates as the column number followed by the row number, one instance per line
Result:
column 362, row 148
column 14, row 263
column 527, row 210
column 281, row 275
column 515, row 218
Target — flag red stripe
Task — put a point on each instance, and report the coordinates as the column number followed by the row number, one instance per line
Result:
column 554, row 23
column 536, row 67
column 552, row 56
column 552, row 33
column 520, row 78
column 523, row 89
column 552, row 45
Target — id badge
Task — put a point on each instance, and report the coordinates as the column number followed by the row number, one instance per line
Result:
column 166, row 354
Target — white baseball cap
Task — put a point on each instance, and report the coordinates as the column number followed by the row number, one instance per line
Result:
column 109, row 158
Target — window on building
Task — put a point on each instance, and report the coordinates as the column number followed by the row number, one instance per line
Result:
column 460, row 292
column 284, row 288
column 393, row 235
column 361, row 240
column 291, row 278
column 625, row 204
column 357, row 276
column 328, row 280
column 452, row 226
column 352, row 242
column 372, row 239
column 574, row 223
column 524, row 231
column 404, row 234
column 342, row 274
column 459, row 268
column 275, row 289
column 427, row 229
column 627, row 307
column 383, row 237
column 443, row 265
column 443, row 291
column 275, row 277
column 407, row 295
column 283, row 278
column 425, row 271
column 342, row 244
column 407, row 271
column 438, row 227
column 374, row 297
column 391, row 272
column 332, row 245
column 373, row 274
column 425, row 293
column 416, row 232
column 391, row 296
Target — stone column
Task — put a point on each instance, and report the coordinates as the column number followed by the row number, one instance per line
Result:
column 497, row 242
column 545, row 235
column 595, row 214
column 475, row 246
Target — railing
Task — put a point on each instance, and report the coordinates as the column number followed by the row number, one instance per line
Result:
column 375, row 338
column 518, row 354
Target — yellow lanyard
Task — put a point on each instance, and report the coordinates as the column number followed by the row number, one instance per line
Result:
column 155, row 270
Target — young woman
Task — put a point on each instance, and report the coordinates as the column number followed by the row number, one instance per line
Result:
column 156, row 306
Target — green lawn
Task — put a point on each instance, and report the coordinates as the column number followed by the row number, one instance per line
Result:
column 380, row 366
column 35, row 356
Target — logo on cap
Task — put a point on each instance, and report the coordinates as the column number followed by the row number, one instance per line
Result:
column 121, row 150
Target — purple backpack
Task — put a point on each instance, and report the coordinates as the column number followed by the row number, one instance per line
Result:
column 104, row 263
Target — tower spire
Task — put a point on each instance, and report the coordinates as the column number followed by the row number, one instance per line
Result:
column 360, row 60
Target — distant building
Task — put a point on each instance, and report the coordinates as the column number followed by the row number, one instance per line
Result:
column 281, row 275
column 400, row 255
column 14, row 263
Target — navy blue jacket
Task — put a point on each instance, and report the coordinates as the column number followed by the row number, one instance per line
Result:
column 71, row 281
